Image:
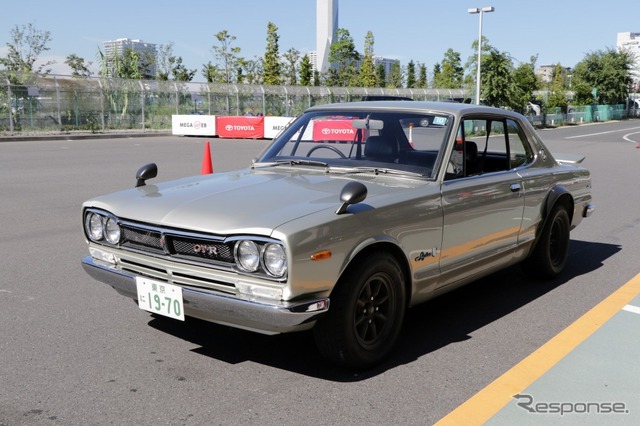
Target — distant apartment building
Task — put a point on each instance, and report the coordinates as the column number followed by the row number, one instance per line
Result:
column 116, row 48
column 546, row 73
column 631, row 43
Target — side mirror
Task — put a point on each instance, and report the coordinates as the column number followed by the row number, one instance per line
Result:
column 148, row 171
column 352, row 193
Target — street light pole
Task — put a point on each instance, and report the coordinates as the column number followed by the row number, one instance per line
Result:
column 481, row 11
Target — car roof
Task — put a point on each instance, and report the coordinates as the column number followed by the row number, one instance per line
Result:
column 454, row 108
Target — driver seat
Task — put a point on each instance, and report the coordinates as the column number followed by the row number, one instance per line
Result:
column 377, row 148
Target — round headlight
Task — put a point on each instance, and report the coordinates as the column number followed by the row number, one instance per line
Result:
column 112, row 231
column 95, row 226
column 248, row 255
column 275, row 260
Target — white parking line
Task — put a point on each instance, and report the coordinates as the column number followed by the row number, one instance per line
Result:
column 601, row 133
column 626, row 137
column 631, row 308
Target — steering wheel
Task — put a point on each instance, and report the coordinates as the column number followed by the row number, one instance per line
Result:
column 332, row 148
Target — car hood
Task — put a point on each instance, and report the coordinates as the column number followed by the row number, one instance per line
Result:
column 245, row 201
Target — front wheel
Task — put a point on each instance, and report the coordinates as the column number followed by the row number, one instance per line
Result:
column 366, row 313
column 552, row 249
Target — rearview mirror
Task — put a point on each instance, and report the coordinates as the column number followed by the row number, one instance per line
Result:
column 368, row 124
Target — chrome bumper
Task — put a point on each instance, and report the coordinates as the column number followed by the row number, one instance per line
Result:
column 266, row 318
column 588, row 210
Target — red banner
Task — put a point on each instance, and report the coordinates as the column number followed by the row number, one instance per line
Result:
column 240, row 127
column 333, row 130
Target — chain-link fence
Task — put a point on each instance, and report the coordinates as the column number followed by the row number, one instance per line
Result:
column 66, row 103
column 59, row 103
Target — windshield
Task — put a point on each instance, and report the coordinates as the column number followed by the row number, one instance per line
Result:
column 363, row 141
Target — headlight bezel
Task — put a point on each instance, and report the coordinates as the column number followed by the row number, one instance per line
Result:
column 102, row 227
column 265, row 250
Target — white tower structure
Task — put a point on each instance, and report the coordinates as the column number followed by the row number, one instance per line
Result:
column 326, row 27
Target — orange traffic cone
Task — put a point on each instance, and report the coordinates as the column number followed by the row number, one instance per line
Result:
column 207, row 167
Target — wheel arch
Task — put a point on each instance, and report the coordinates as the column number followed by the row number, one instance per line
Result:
column 559, row 195
column 384, row 246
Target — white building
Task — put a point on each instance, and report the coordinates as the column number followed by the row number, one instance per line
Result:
column 631, row 43
column 117, row 47
column 326, row 27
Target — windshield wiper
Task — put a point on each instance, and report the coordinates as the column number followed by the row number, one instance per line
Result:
column 292, row 162
column 374, row 170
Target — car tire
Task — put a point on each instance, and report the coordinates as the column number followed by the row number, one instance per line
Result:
column 549, row 257
column 365, row 315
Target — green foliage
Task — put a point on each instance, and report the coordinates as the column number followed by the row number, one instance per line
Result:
column 79, row 67
column 381, row 76
column 343, row 58
column 170, row 67
column 306, row 71
column 368, row 69
column 525, row 83
column 26, row 45
column 497, row 80
column 291, row 58
column 451, row 72
column 394, row 80
column 609, row 72
column 411, row 75
column 422, row 78
column 271, row 61
column 227, row 56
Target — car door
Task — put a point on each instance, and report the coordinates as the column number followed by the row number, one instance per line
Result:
column 483, row 200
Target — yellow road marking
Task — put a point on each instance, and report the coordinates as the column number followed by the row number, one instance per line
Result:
column 486, row 403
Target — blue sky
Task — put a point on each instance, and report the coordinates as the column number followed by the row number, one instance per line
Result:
column 558, row 31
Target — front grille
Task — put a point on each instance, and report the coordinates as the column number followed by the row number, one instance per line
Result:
column 142, row 239
column 174, row 243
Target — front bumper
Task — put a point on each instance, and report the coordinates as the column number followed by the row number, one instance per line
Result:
column 258, row 316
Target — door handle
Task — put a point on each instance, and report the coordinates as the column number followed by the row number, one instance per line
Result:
column 515, row 187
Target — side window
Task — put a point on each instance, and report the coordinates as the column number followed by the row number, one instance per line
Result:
column 520, row 152
column 486, row 145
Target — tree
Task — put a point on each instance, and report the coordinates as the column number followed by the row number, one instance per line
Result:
column 436, row 75
column 291, row 58
column 381, row 76
column 422, row 78
column 250, row 71
column 411, row 75
column 170, row 67
column 79, row 67
column 497, row 80
column 609, row 72
column 227, row 56
column 367, row 69
column 343, row 58
column 271, row 61
column 394, row 80
column 211, row 72
column 306, row 72
column 451, row 71
column 26, row 45
column 526, row 82
column 557, row 95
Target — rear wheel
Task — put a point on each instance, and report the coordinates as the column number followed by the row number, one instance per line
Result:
column 366, row 313
column 550, row 255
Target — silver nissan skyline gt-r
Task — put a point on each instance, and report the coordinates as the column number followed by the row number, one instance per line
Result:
column 355, row 212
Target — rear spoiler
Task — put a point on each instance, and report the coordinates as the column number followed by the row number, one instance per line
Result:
column 569, row 158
